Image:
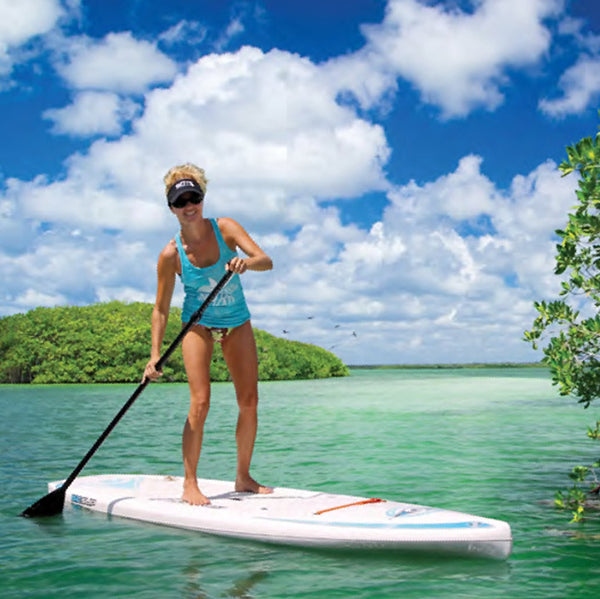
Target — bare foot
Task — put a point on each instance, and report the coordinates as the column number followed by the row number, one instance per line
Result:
column 193, row 495
column 249, row 485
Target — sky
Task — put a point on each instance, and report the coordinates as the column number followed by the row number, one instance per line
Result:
column 396, row 158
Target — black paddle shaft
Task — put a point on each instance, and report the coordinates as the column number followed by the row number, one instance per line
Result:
column 53, row 503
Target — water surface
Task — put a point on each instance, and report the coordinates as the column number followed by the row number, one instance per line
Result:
column 496, row 443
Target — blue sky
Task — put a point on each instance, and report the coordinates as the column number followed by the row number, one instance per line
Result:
column 396, row 158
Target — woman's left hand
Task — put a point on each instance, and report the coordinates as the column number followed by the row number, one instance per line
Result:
column 237, row 265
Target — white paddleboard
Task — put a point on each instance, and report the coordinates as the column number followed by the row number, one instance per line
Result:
column 293, row 516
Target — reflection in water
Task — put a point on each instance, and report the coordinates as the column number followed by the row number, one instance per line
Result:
column 241, row 589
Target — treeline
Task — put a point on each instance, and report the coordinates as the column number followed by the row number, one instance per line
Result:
column 110, row 343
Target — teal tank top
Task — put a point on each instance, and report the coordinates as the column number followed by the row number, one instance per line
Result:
column 229, row 308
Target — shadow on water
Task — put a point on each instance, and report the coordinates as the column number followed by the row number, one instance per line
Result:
column 278, row 566
column 422, row 560
column 242, row 588
column 53, row 526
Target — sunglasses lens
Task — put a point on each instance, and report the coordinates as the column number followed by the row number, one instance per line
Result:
column 182, row 202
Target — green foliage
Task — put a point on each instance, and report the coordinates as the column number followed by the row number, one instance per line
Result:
column 280, row 359
column 110, row 343
column 572, row 349
column 578, row 498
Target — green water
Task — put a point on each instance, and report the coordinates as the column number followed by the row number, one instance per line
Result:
column 497, row 443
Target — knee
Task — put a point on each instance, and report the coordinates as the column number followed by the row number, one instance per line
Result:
column 198, row 410
column 248, row 400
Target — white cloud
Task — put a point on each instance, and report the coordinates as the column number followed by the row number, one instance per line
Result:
column 33, row 297
column 364, row 75
column 536, row 206
column 377, row 249
column 20, row 22
column 61, row 267
column 457, row 60
column 462, row 195
column 125, row 294
column 118, row 63
column 87, row 200
column 92, row 113
column 183, row 32
column 537, row 203
column 233, row 29
column 580, row 86
column 268, row 124
column 426, row 292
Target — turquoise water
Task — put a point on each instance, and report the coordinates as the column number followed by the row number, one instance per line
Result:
column 497, row 443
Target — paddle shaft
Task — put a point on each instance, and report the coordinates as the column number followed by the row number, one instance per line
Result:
column 37, row 509
column 161, row 361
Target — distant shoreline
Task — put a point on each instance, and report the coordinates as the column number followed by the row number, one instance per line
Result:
column 447, row 366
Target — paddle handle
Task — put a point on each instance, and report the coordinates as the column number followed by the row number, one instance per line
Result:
column 172, row 347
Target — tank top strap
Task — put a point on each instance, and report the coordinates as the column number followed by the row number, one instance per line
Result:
column 183, row 259
column 225, row 252
column 178, row 242
column 218, row 235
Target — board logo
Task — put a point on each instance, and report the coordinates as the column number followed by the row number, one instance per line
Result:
column 83, row 501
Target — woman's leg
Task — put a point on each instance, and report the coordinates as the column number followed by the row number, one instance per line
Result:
column 239, row 351
column 197, row 347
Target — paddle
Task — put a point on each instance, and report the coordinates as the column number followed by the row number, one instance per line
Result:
column 53, row 503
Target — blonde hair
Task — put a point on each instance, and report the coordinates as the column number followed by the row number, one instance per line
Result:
column 185, row 171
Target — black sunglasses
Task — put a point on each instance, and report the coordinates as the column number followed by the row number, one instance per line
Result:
column 183, row 201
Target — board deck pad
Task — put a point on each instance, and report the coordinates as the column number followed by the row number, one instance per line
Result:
column 293, row 516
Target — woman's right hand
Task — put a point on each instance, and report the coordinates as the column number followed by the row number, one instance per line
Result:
column 150, row 372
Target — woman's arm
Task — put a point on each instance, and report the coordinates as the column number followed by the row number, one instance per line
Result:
column 236, row 236
column 166, row 270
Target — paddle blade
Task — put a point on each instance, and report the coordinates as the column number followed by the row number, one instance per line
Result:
column 49, row 505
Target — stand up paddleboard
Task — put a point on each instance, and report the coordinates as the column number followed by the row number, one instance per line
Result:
column 293, row 516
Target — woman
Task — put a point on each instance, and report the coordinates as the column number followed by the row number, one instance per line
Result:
column 200, row 253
